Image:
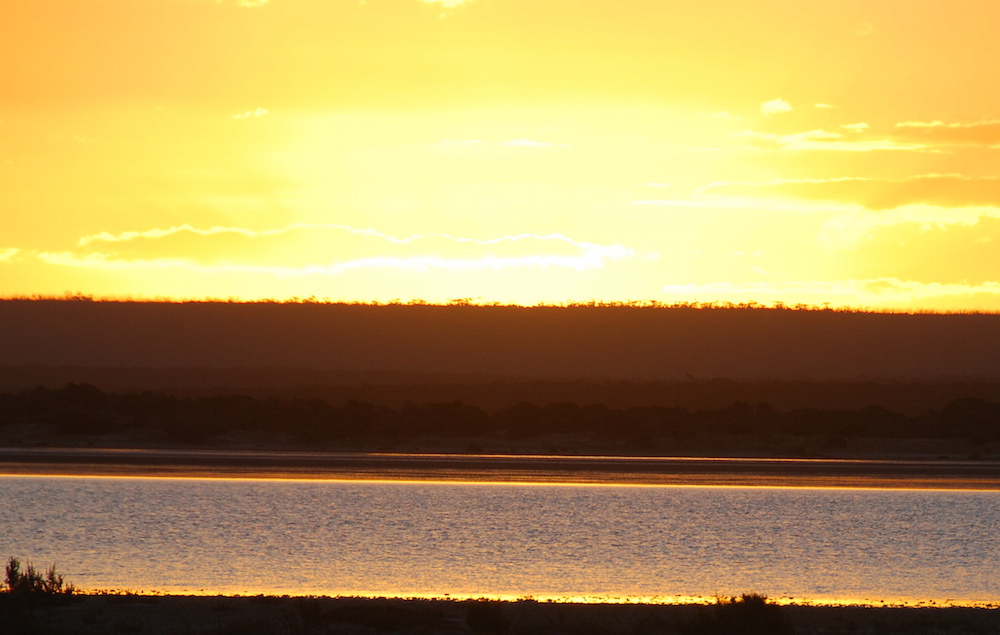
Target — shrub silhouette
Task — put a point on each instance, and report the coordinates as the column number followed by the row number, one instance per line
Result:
column 33, row 581
column 26, row 589
column 749, row 614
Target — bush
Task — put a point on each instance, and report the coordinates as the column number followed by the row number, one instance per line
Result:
column 749, row 614
column 33, row 581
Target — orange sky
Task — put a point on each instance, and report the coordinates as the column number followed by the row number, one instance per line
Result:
column 503, row 150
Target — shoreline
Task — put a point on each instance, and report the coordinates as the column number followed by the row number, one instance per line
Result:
column 553, row 469
column 267, row 614
column 582, row 600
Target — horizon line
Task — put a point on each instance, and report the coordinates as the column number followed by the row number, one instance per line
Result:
column 74, row 297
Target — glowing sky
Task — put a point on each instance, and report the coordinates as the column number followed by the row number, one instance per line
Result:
column 503, row 150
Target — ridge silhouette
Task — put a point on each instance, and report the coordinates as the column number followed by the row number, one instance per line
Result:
column 611, row 342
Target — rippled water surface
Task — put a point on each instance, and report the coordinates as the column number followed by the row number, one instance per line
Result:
column 396, row 538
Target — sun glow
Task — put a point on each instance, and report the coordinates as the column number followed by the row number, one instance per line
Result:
column 673, row 137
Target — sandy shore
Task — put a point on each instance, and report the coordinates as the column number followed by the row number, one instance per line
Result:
column 96, row 614
column 503, row 468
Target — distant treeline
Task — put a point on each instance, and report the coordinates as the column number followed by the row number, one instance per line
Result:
column 777, row 305
column 81, row 410
column 493, row 393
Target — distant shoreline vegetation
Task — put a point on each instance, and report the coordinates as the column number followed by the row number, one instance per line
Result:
column 470, row 302
column 81, row 414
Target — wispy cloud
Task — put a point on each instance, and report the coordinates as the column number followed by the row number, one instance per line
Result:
column 457, row 143
column 743, row 203
column 945, row 190
column 984, row 133
column 511, row 143
column 8, row 254
column 824, row 140
column 775, row 106
column 246, row 3
column 865, row 29
column 527, row 143
column 302, row 249
column 721, row 115
column 956, row 253
column 417, row 264
column 259, row 112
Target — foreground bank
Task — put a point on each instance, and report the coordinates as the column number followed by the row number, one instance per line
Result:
column 264, row 615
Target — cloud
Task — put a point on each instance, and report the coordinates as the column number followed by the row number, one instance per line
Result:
column 8, row 254
column 527, row 143
column 822, row 140
column 982, row 133
column 741, row 203
column 259, row 112
column 823, row 106
column 721, row 115
column 457, row 143
column 775, row 106
column 302, row 249
column 448, row 143
column 955, row 253
column 918, row 136
column 944, row 190
column 865, row 29
column 247, row 3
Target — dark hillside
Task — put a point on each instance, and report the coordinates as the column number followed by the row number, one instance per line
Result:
column 541, row 342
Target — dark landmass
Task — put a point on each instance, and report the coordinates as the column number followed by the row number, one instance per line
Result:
column 82, row 415
column 472, row 380
column 579, row 342
column 491, row 393
column 264, row 615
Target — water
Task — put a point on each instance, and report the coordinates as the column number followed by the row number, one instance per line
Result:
column 505, row 540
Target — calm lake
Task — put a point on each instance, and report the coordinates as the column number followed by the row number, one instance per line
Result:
column 247, row 536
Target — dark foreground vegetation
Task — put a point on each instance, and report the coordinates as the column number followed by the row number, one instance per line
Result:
column 84, row 416
column 33, row 602
column 101, row 614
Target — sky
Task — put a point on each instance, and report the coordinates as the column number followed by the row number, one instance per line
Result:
column 514, row 151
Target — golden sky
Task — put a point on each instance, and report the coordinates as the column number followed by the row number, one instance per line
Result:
column 518, row 151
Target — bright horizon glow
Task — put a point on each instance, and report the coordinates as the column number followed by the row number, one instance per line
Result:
column 514, row 151
column 548, row 598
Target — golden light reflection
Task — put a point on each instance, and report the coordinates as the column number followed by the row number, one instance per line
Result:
column 497, row 478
